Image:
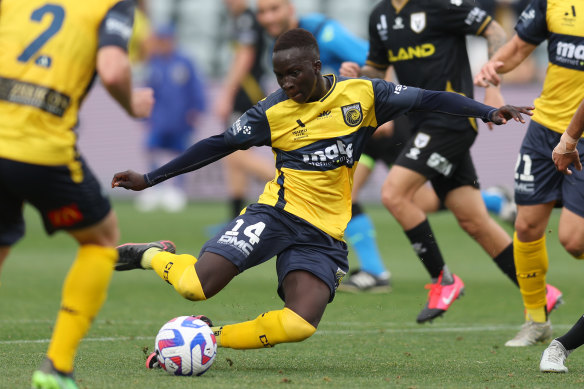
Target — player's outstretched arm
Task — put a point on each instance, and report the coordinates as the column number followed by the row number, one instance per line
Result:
column 566, row 153
column 195, row 157
column 507, row 58
column 129, row 180
column 508, row 112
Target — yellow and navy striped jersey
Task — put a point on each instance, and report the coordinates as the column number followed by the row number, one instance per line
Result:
column 316, row 145
column 561, row 22
column 48, row 52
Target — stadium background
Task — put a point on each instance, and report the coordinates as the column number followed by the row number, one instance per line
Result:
column 112, row 142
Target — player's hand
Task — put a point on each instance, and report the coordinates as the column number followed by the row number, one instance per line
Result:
column 506, row 112
column 129, row 180
column 350, row 69
column 488, row 74
column 494, row 98
column 562, row 161
column 142, row 102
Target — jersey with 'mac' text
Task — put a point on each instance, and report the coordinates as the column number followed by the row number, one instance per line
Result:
column 48, row 53
column 425, row 42
column 561, row 22
column 316, row 145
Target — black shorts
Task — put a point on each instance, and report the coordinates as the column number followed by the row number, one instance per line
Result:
column 263, row 232
column 68, row 197
column 443, row 157
column 387, row 148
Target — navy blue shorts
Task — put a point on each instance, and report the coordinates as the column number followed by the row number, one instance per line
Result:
column 263, row 232
column 443, row 157
column 536, row 179
column 68, row 197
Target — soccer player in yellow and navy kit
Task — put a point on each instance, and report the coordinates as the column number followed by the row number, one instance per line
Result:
column 538, row 186
column 50, row 52
column 317, row 127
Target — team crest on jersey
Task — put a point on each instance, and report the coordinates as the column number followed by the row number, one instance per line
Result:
column 352, row 114
column 418, row 22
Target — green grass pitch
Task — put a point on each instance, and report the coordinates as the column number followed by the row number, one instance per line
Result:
column 363, row 341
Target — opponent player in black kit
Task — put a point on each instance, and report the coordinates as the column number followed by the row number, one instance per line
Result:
column 424, row 40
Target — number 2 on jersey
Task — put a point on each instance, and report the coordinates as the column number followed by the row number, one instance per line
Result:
column 58, row 16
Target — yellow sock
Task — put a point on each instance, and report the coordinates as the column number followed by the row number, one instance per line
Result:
column 267, row 330
column 179, row 271
column 531, row 261
column 84, row 292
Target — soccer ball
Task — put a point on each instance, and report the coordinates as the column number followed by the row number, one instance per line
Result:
column 186, row 346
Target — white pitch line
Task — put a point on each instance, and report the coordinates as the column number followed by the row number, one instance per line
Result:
column 378, row 331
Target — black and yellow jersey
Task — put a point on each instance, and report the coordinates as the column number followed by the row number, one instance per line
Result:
column 316, row 145
column 48, row 53
column 561, row 22
column 425, row 41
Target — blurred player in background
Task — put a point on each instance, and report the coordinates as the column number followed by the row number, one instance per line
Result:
column 538, row 186
column 302, row 214
column 425, row 43
column 180, row 99
column 242, row 89
column 47, row 69
column 565, row 154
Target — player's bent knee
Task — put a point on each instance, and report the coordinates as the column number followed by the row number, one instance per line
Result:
column 189, row 285
column 295, row 327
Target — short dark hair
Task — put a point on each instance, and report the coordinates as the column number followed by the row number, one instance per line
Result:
column 297, row 37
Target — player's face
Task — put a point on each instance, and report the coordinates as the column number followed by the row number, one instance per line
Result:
column 274, row 16
column 297, row 73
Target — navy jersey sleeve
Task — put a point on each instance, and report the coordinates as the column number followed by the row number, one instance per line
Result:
column 532, row 25
column 393, row 100
column 377, row 56
column 116, row 27
column 463, row 16
column 251, row 129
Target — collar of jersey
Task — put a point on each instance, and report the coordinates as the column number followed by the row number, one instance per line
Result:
column 333, row 84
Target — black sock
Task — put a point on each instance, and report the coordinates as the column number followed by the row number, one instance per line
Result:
column 236, row 207
column 422, row 239
column 506, row 263
column 575, row 337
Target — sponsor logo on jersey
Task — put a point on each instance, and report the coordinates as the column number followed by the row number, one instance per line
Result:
column 570, row 53
column 301, row 131
column 324, row 114
column 398, row 23
column 245, row 129
column 352, row 114
column 408, row 53
column 399, row 88
column 382, row 27
column 418, row 22
column 118, row 27
column 457, row 3
column 335, row 154
column 476, row 15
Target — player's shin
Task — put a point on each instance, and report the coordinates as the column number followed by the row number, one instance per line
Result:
column 531, row 261
column 179, row 271
column 266, row 330
column 84, row 292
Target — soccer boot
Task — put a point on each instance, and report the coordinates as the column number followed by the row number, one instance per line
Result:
column 130, row 254
column 440, row 298
column 553, row 297
column 47, row 377
column 553, row 358
column 362, row 281
column 508, row 211
column 531, row 333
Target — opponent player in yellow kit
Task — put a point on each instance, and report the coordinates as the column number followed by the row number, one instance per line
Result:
column 50, row 53
column 317, row 127
column 538, row 186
